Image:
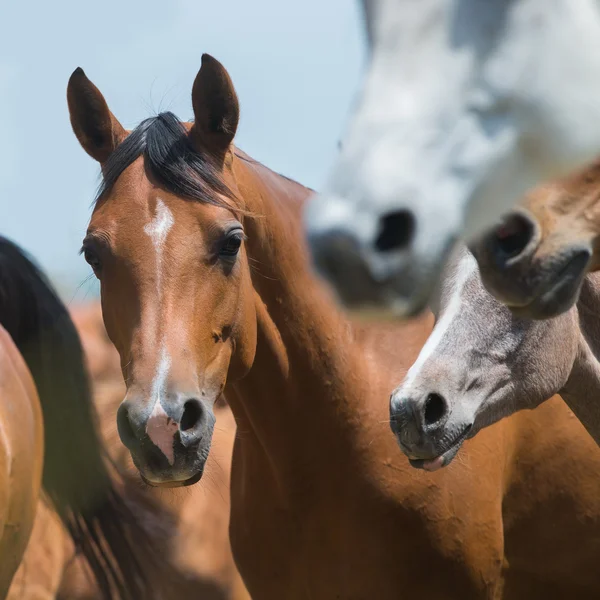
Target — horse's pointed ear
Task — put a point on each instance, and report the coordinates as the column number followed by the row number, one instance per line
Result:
column 216, row 107
column 96, row 128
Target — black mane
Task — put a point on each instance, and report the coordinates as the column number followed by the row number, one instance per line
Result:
column 170, row 160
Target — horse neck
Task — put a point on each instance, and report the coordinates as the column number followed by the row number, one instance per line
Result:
column 305, row 376
column 582, row 389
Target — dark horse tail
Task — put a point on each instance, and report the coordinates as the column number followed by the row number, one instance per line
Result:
column 121, row 552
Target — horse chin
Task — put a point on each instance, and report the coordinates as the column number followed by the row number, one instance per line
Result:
column 166, row 483
column 435, row 464
column 182, row 474
column 443, row 459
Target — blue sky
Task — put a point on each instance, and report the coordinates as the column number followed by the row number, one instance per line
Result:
column 295, row 65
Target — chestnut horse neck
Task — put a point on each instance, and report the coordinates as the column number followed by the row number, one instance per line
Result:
column 297, row 305
column 21, row 443
column 308, row 375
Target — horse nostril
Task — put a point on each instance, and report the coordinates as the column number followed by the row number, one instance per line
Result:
column 396, row 230
column 124, row 426
column 435, row 409
column 192, row 415
column 513, row 236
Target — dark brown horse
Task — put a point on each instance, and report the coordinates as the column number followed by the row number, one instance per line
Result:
column 206, row 286
column 43, row 352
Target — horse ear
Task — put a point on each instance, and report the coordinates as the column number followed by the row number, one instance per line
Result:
column 216, row 107
column 96, row 128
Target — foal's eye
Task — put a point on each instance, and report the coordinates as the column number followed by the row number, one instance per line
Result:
column 231, row 245
column 92, row 259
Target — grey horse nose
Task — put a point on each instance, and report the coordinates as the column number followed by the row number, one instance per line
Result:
column 434, row 411
column 412, row 420
column 513, row 239
column 396, row 231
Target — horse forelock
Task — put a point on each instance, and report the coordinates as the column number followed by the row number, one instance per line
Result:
column 171, row 160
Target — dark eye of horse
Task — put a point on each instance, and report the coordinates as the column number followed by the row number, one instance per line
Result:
column 231, row 245
column 92, row 260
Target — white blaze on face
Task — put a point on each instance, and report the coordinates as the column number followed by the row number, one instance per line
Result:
column 158, row 230
column 466, row 267
column 161, row 428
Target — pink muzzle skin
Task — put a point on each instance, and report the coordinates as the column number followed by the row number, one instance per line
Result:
column 161, row 430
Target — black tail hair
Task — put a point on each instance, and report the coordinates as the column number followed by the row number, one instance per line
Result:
column 123, row 554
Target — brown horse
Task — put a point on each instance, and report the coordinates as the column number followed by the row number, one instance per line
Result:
column 536, row 260
column 41, row 350
column 206, row 286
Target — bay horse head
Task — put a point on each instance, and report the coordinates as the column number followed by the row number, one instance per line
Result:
column 166, row 241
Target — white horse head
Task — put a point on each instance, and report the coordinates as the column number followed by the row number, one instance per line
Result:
column 466, row 104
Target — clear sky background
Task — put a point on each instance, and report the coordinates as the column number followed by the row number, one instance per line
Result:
column 295, row 64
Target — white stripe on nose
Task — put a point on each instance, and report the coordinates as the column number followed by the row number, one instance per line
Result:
column 466, row 267
column 161, row 429
column 158, row 230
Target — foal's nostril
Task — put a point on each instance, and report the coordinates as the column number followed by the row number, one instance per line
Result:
column 435, row 409
column 396, row 230
column 192, row 415
column 513, row 236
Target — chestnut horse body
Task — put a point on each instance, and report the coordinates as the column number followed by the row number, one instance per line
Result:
column 206, row 285
column 21, row 457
